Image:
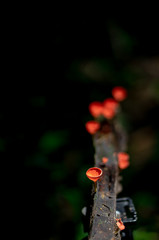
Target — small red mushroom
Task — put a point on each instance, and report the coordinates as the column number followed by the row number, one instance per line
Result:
column 110, row 103
column 120, row 224
column 119, row 93
column 92, row 126
column 104, row 160
column 96, row 108
column 110, row 107
column 123, row 160
column 108, row 113
column 94, row 173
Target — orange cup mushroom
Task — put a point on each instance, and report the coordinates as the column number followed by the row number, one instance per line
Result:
column 108, row 113
column 111, row 103
column 110, row 107
column 120, row 224
column 119, row 93
column 94, row 173
column 92, row 126
column 123, row 160
column 104, row 160
column 95, row 108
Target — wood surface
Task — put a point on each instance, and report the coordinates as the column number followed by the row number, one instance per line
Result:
column 107, row 143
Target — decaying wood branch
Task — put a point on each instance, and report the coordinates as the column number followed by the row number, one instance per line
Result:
column 107, row 142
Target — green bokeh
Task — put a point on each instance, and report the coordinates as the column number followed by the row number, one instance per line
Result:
column 51, row 141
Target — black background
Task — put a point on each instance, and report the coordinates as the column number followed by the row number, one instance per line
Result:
column 46, row 53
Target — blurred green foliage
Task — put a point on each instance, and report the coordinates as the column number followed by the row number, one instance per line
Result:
column 145, row 235
column 51, row 141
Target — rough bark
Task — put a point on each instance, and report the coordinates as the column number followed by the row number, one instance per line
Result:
column 103, row 215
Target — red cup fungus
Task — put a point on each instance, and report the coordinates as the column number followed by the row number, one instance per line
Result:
column 92, row 126
column 104, row 160
column 96, row 108
column 120, row 224
column 94, row 173
column 110, row 106
column 123, row 160
column 110, row 103
column 119, row 93
column 108, row 113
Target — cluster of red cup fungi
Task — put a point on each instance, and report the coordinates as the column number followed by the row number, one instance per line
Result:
column 108, row 108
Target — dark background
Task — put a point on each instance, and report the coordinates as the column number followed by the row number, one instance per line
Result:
column 63, row 62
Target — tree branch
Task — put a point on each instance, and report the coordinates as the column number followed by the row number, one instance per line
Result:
column 107, row 143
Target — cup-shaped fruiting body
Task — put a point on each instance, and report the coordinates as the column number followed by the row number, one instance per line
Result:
column 123, row 160
column 120, row 224
column 119, row 93
column 92, row 126
column 104, row 160
column 94, row 173
column 111, row 103
column 108, row 113
column 110, row 107
column 95, row 109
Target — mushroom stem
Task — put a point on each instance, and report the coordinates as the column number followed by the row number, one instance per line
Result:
column 95, row 186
